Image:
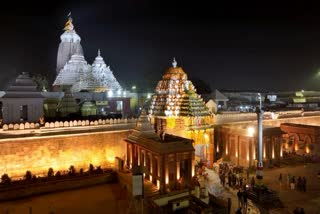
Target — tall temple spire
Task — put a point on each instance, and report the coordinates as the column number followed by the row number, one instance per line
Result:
column 174, row 63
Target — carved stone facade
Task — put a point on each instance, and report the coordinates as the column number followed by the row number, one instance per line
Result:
column 301, row 139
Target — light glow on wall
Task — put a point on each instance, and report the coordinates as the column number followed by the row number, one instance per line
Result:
column 250, row 131
column 167, row 178
column 158, row 184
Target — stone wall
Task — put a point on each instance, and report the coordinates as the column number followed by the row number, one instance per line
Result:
column 37, row 154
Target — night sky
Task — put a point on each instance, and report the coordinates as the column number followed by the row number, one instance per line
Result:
column 229, row 46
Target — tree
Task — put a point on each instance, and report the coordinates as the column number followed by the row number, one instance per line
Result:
column 50, row 172
column 41, row 81
column 201, row 86
column 91, row 168
column 72, row 170
column 5, row 179
column 28, row 176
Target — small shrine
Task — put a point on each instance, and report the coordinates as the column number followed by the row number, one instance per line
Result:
column 166, row 160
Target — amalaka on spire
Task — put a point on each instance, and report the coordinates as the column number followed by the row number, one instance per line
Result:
column 174, row 63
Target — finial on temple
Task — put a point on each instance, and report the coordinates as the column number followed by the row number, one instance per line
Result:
column 69, row 26
column 99, row 53
column 174, row 63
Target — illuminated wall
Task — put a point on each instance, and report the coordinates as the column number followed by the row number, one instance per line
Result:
column 37, row 154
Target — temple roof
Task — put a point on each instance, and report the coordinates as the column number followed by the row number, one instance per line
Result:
column 144, row 135
column 72, row 71
column 176, row 96
column 23, row 87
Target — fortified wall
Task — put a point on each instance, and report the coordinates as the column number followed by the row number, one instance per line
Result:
column 38, row 154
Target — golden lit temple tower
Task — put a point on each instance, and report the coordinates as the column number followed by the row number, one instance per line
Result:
column 177, row 109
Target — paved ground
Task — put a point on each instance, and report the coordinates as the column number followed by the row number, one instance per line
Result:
column 309, row 200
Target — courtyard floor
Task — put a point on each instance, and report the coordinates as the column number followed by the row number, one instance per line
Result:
column 309, row 200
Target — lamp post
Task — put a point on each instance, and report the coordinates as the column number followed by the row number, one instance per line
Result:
column 259, row 111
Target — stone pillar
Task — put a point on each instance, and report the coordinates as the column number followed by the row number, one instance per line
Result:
column 237, row 149
column 139, row 158
column 162, row 174
column 248, row 157
column 178, row 170
column 259, row 172
column 192, row 168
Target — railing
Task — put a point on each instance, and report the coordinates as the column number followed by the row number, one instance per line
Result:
column 60, row 124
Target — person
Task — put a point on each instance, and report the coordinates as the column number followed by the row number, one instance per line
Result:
column 304, row 184
column 296, row 211
column 239, row 194
column 252, row 182
column 288, row 180
column 245, row 199
column 238, row 211
column 280, row 180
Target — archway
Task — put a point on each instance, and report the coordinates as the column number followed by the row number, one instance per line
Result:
column 293, row 142
column 307, row 143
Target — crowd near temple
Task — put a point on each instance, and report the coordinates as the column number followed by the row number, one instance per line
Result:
column 86, row 117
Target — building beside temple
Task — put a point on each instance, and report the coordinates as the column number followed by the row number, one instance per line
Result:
column 166, row 160
column 22, row 102
column 238, row 144
column 177, row 109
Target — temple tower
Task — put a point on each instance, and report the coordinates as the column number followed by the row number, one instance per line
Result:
column 177, row 109
column 69, row 45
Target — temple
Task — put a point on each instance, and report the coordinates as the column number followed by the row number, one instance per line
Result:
column 177, row 109
column 73, row 71
column 22, row 101
column 70, row 45
column 167, row 160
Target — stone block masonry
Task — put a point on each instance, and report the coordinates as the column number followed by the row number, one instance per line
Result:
column 38, row 154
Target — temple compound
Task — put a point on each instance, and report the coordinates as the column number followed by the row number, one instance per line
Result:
column 22, row 101
column 177, row 109
column 166, row 160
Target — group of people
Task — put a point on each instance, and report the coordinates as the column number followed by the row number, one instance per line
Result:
column 298, row 211
column 235, row 180
column 232, row 177
column 299, row 183
column 242, row 201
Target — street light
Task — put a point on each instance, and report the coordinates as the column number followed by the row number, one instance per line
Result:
column 260, row 99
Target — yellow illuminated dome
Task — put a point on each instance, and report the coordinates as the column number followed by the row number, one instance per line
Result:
column 176, row 96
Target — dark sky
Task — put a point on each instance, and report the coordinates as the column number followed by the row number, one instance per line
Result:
column 230, row 46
